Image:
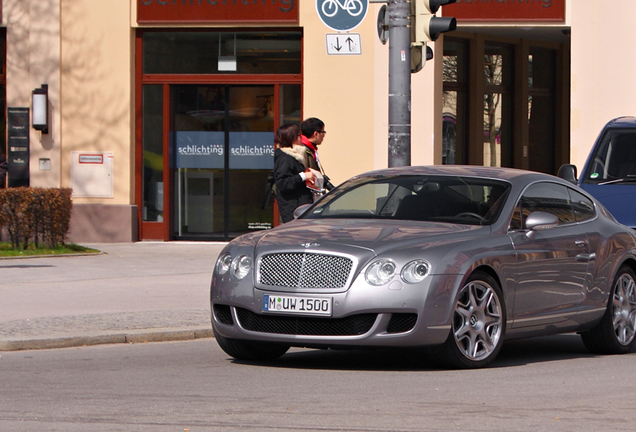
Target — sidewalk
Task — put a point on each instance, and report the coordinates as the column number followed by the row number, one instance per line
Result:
column 132, row 292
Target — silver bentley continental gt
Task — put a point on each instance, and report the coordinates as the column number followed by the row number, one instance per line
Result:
column 456, row 258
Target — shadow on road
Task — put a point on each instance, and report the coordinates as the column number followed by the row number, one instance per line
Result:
column 514, row 353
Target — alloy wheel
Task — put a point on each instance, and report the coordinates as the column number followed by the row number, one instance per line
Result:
column 477, row 322
column 624, row 309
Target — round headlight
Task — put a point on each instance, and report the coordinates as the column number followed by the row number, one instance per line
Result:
column 241, row 266
column 415, row 271
column 380, row 272
column 223, row 264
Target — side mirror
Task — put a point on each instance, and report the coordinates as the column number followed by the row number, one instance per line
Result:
column 568, row 172
column 537, row 221
column 300, row 210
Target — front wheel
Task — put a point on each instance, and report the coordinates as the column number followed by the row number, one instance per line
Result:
column 478, row 323
column 250, row 350
column 615, row 333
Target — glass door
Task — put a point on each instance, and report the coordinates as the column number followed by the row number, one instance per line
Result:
column 223, row 144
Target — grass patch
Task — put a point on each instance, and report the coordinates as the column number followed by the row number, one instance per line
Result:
column 31, row 250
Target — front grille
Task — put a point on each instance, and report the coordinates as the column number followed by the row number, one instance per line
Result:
column 349, row 326
column 304, row 270
column 223, row 314
column 401, row 322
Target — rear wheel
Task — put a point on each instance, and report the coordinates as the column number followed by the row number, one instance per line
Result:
column 478, row 323
column 250, row 350
column 616, row 332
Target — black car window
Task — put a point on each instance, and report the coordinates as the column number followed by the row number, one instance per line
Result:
column 582, row 206
column 614, row 157
column 545, row 197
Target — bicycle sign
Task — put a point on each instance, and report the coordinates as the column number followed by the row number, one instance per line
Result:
column 342, row 15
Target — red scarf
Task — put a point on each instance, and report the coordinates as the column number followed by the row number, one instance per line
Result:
column 309, row 144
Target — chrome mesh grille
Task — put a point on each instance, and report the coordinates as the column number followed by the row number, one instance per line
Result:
column 304, row 270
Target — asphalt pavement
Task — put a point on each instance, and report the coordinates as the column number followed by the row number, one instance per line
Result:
column 129, row 293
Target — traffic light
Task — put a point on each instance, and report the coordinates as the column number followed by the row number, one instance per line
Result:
column 425, row 26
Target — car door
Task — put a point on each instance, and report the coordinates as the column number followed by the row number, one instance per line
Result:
column 552, row 264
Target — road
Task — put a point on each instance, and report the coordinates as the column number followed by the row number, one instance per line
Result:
column 548, row 384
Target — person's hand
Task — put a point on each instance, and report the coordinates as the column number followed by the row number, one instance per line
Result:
column 309, row 175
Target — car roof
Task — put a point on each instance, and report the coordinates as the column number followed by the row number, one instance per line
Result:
column 622, row 122
column 508, row 174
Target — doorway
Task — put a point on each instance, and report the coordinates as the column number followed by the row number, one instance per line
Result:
column 223, row 151
column 208, row 102
column 206, row 166
column 505, row 102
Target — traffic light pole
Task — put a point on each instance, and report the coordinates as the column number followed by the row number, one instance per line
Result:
column 399, row 13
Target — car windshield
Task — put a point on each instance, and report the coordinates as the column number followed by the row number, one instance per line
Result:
column 614, row 159
column 452, row 199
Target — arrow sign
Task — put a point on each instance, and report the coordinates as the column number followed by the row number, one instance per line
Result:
column 343, row 44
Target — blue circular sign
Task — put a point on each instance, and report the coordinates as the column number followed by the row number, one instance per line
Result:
column 342, row 15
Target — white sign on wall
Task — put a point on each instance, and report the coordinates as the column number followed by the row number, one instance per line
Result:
column 343, row 44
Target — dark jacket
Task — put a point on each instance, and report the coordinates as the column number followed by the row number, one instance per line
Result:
column 291, row 190
column 311, row 162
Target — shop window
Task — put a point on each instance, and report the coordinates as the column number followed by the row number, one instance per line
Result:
column 454, row 114
column 498, row 61
column 196, row 52
column 290, row 100
column 152, row 102
column 541, row 110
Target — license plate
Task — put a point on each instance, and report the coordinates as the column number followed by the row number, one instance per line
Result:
column 297, row 305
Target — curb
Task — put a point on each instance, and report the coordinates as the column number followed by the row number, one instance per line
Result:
column 52, row 255
column 79, row 341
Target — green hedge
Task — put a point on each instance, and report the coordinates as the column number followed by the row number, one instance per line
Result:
column 35, row 215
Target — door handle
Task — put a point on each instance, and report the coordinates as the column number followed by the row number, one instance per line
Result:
column 581, row 243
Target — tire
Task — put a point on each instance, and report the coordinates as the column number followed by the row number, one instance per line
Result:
column 477, row 331
column 250, row 350
column 615, row 333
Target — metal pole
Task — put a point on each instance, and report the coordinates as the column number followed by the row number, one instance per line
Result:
column 399, row 13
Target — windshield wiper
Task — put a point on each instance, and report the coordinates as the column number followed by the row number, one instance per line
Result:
column 627, row 179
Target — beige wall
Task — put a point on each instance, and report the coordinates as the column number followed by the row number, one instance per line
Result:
column 603, row 64
column 97, row 89
column 340, row 90
column 33, row 49
column 89, row 67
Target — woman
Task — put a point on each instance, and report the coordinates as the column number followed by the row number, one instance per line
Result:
column 289, row 171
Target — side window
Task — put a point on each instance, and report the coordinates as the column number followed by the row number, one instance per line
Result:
column 546, row 197
column 582, row 206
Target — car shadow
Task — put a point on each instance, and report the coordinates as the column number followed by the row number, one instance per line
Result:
column 514, row 353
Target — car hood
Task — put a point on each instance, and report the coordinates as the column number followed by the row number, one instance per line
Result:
column 362, row 237
column 618, row 199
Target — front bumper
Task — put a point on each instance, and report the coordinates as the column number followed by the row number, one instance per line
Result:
column 363, row 316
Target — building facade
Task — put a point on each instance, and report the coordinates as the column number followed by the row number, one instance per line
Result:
column 161, row 113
